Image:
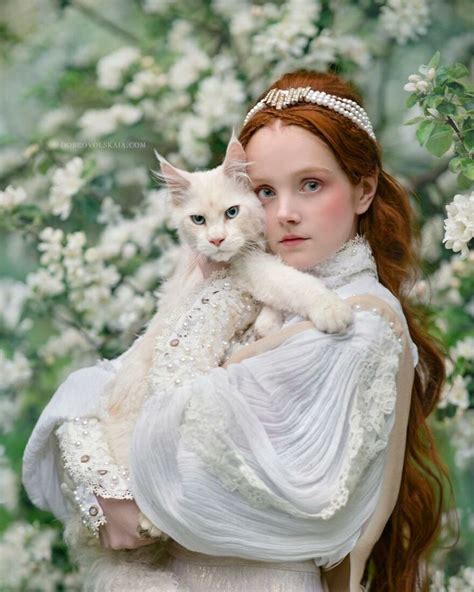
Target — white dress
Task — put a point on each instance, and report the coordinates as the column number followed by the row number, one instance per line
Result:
column 266, row 471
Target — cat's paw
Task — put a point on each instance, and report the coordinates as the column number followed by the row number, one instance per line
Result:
column 330, row 313
column 268, row 321
column 149, row 530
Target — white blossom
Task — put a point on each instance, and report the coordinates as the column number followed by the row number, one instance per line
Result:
column 70, row 341
column 192, row 140
column 15, row 372
column 110, row 212
column 156, row 6
column 66, row 182
column 187, row 69
column 10, row 407
column 51, row 245
column 145, row 82
column 431, row 236
column 28, row 548
column 13, row 296
column 455, row 393
column 51, row 121
column 464, row 348
column 12, row 197
column 459, row 225
column 133, row 176
column 219, row 101
column 96, row 123
column 290, row 35
column 111, row 68
column 8, row 483
column 405, row 20
column 46, row 282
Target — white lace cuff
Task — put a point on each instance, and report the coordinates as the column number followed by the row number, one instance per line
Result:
column 92, row 515
column 91, row 468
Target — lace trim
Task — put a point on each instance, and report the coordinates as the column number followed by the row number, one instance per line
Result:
column 206, row 428
column 88, row 460
column 354, row 257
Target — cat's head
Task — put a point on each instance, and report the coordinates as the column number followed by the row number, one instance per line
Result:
column 216, row 212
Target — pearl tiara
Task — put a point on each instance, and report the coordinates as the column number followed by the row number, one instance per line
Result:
column 281, row 98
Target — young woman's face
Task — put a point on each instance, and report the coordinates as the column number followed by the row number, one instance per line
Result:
column 305, row 194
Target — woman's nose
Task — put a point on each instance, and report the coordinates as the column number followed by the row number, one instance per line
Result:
column 287, row 212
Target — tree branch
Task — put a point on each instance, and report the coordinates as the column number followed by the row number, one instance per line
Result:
column 104, row 22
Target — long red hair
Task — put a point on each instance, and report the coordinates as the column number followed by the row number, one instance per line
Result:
column 396, row 563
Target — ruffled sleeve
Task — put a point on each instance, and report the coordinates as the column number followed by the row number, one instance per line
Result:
column 78, row 396
column 278, row 457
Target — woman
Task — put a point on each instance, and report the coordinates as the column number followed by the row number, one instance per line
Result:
column 312, row 467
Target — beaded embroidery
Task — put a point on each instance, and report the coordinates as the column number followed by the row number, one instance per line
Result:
column 88, row 460
column 223, row 311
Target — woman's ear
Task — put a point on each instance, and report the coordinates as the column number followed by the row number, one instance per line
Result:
column 366, row 191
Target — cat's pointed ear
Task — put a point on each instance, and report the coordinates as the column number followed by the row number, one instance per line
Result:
column 235, row 161
column 176, row 180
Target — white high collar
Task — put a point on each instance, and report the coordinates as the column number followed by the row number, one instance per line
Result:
column 352, row 260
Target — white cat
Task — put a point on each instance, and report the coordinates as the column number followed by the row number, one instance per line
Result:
column 218, row 215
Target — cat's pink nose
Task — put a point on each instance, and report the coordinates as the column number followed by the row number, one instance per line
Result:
column 216, row 241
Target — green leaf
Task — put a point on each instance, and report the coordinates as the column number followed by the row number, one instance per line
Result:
column 455, row 164
column 414, row 120
column 440, row 139
column 433, row 63
column 463, row 182
column 467, row 168
column 457, row 71
column 447, row 108
column 424, row 131
column 469, row 139
column 433, row 101
column 412, row 100
column 456, row 87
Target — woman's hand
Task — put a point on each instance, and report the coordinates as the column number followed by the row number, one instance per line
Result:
column 121, row 532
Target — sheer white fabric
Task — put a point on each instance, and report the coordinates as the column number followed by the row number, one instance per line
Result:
column 279, row 457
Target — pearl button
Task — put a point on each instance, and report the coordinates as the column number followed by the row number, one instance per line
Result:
column 174, row 342
column 93, row 510
column 102, row 471
column 85, row 458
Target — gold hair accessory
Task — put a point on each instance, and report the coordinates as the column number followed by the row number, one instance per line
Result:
column 282, row 98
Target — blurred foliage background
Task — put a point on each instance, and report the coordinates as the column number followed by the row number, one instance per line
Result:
column 90, row 88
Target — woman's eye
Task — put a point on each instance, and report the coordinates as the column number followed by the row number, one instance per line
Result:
column 198, row 219
column 264, row 193
column 232, row 212
column 311, row 186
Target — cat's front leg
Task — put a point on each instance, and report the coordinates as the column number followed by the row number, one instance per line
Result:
column 268, row 321
column 282, row 287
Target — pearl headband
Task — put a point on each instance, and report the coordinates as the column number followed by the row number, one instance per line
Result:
column 281, row 98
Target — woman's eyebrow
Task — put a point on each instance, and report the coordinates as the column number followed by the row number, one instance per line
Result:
column 303, row 171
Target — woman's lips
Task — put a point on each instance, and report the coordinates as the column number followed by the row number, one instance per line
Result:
column 290, row 242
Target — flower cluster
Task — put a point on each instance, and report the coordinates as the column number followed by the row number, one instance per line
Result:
column 28, row 549
column 421, row 84
column 95, row 123
column 459, row 225
column 11, row 197
column 66, row 182
column 405, row 20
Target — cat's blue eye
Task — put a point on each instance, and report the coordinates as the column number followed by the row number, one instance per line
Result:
column 198, row 219
column 232, row 212
column 264, row 193
column 311, row 186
